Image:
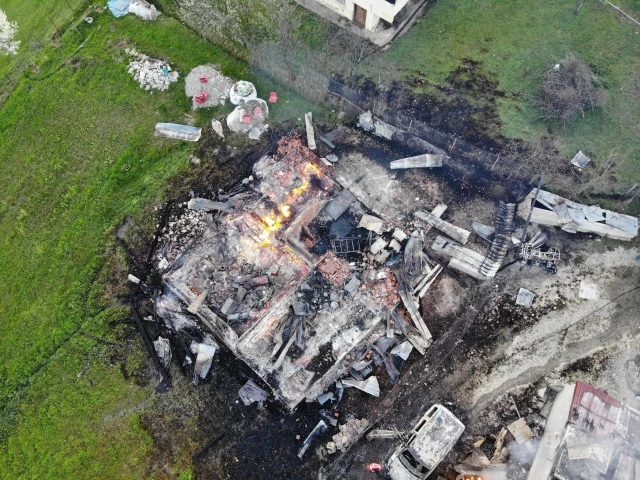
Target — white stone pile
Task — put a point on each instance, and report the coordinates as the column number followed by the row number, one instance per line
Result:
column 150, row 72
column 348, row 434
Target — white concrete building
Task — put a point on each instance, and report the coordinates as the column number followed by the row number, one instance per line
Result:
column 366, row 13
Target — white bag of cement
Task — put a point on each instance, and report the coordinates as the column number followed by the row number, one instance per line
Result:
column 144, row 10
column 242, row 91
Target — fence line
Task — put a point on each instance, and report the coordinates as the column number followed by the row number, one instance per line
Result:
column 30, row 49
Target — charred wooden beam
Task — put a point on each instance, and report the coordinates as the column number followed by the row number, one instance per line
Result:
column 165, row 384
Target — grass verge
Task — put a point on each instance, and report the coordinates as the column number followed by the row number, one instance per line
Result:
column 518, row 40
column 78, row 155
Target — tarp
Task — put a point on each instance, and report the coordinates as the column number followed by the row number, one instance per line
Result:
column 119, row 8
column 144, row 10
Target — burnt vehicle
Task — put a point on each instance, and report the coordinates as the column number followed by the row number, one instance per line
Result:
column 426, row 446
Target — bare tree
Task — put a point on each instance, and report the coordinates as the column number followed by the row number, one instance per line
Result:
column 522, row 160
column 8, row 30
column 288, row 41
column 568, row 90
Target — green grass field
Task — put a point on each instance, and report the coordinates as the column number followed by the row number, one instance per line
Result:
column 516, row 41
column 78, row 154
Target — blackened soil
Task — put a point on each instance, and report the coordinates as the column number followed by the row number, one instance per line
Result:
column 465, row 106
column 593, row 365
column 464, row 181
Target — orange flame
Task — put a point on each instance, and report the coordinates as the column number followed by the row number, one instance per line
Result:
column 285, row 210
column 273, row 222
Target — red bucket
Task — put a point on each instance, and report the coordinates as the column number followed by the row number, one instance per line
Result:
column 202, row 97
column 273, row 97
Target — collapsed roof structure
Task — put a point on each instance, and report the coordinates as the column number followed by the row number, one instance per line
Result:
column 278, row 296
column 555, row 211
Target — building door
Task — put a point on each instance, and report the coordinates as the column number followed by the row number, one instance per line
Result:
column 360, row 15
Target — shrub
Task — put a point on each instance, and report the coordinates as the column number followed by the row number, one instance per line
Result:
column 568, row 90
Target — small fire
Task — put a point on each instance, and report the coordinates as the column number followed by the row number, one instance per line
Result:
column 273, row 221
column 285, row 210
column 299, row 190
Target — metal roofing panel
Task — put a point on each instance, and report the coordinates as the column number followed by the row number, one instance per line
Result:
column 603, row 416
column 623, row 222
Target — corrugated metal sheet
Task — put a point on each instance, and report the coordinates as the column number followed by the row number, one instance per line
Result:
column 427, row 160
column 603, row 416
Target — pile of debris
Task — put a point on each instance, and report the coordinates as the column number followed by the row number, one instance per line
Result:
column 489, row 456
column 546, row 208
column 207, row 86
column 150, row 72
column 348, row 433
column 141, row 8
column 254, row 266
column 588, row 435
column 249, row 117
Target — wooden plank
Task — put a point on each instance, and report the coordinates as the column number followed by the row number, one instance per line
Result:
column 424, row 289
column 436, row 212
column 457, row 233
column 448, row 247
column 465, row 268
column 412, row 334
column 409, row 304
column 311, row 137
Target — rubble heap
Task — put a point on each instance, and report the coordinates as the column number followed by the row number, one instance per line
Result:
column 255, row 267
column 348, row 434
column 150, row 72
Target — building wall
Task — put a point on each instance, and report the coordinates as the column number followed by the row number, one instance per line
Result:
column 376, row 9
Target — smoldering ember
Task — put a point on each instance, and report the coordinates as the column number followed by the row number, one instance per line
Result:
column 366, row 282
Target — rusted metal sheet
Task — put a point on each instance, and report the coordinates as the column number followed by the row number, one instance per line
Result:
column 602, row 415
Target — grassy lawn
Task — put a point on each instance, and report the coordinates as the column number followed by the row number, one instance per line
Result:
column 78, row 154
column 516, row 41
column 36, row 23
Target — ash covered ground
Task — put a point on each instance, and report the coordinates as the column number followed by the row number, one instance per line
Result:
column 491, row 361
